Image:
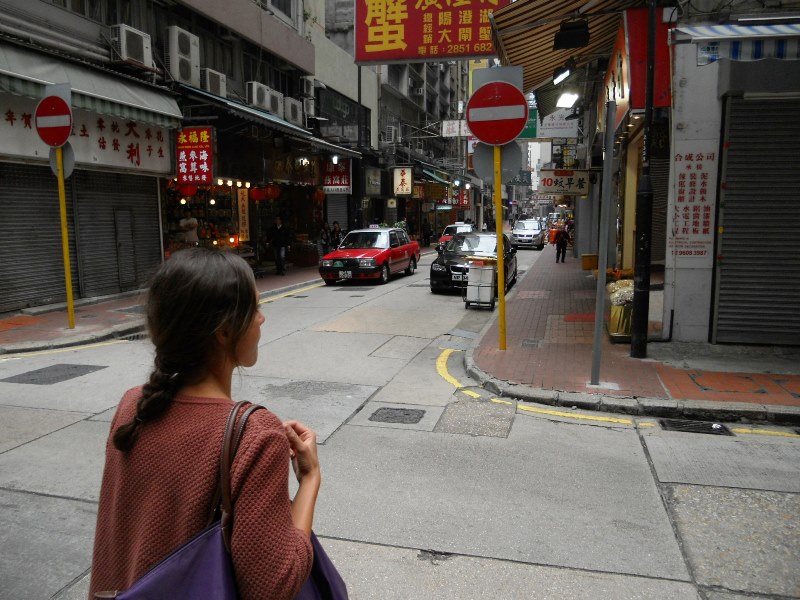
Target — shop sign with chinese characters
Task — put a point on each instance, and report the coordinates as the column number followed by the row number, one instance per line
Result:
column 195, row 151
column 396, row 30
column 97, row 140
column 563, row 181
column 336, row 178
column 244, row 214
column 401, row 177
column 690, row 230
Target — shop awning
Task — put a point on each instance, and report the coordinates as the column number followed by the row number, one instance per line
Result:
column 524, row 30
column 698, row 33
column 435, row 177
column 255, row 115
column 25, row 72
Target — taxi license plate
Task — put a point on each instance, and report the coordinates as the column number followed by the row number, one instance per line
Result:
column 458, row 277
column 345, row 274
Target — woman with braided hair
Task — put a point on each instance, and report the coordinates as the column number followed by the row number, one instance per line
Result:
column 162, row 455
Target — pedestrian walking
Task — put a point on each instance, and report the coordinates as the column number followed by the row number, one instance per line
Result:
column 162, row 455
column 426, row 233
column 324, row 240
column 337, row 235
column 280, row 238
column 562, row 239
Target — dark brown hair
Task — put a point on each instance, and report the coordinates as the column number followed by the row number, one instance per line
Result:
column 191, row 296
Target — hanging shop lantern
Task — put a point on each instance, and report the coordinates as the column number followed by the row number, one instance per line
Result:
column 187, row 190
column 258, row 194
column 319, row 195
column 274, row 192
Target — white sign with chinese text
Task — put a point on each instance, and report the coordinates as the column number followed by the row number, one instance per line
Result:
column 556, row 125
column 455, row 128
column 563, row 181
column 690, row 221
column 336, row 179
column 402, row 181
column 97, row 140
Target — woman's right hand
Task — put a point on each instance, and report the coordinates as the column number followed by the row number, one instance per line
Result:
column 303, row 448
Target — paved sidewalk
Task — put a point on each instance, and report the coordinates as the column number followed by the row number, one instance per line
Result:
column 548, row 359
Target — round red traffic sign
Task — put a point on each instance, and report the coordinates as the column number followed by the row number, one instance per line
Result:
column 53, row 119
column 497, row 112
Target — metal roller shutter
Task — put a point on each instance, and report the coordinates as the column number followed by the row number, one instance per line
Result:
column 758, row 266
column 118, row 231
column 32, row 264
column 337, row 210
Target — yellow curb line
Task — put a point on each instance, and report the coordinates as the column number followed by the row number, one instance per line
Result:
column 764, row 432
column 289, row 293
column 441, row 368
column 646, row 424
column 556, row 413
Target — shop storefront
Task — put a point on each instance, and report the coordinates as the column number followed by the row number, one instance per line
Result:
column 122, row 148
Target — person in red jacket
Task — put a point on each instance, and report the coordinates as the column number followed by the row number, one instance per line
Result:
column 162, row 454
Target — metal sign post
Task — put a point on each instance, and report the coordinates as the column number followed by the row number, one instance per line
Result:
column 53, row 118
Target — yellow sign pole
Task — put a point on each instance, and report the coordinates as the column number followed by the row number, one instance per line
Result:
column 498, row 219
column 62, row 203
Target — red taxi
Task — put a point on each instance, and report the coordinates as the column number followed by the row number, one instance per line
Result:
column 374, row 253
column 451, row 230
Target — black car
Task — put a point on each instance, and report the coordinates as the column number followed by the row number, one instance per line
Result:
column 450, row 269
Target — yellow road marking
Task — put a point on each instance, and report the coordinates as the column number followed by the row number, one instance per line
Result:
column 498, row 401
column 290, row 293
column 441, row 368
column 59, row 350
column 646, row 424
column 764, row 432
column 569, row 415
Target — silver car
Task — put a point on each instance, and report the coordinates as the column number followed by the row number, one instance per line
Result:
column 528, row 234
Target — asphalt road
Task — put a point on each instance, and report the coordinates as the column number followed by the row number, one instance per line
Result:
column 432, row 488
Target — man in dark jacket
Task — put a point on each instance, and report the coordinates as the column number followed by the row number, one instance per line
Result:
column 280, row 238
column 562, row 239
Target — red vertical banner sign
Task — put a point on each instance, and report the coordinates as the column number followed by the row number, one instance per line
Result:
column 336, row 179
column 195, row 155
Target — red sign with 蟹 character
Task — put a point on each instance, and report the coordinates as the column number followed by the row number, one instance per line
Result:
column 195, row 148
column 432, row 30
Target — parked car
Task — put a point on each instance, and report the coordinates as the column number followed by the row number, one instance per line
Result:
column 374, row 253
column 528, row 233
column 451, row 230
column 451, row 268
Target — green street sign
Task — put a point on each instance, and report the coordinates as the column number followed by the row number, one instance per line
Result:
column 529, row 133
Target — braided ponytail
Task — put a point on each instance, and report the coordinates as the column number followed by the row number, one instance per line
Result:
column 191, row 296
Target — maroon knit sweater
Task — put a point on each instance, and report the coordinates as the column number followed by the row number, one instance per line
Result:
column 159, row 494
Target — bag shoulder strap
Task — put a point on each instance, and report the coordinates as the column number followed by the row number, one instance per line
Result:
column 230, row 443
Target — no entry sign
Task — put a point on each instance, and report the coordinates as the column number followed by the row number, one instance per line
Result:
column 53, row 118
column 497, row 113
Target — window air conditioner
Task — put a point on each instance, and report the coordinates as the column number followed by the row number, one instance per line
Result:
column 214, row 82
column 294, row 111
column 275, row 103
column 131, row 45
column 257, row 94
column 309, row 107
column 182, row 56
column 308, row 86
column 418, row 91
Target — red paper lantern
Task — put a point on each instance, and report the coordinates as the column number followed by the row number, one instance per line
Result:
column 258, row 194
column 319, row 195
column 274, row 192
column 187, row 190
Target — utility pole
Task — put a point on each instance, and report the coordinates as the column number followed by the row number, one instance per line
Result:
column 644, row 208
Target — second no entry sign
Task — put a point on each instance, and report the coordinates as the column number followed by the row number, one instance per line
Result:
column 497, row 113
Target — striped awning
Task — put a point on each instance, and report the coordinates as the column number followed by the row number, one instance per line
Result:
column 26, row 72
column 524, row 31
column 696, row 33
column 741, row 42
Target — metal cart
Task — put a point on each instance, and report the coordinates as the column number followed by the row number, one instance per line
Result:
column 481, row 283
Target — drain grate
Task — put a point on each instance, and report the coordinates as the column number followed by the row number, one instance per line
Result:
column 135, row 337
column 53, row 374
column 357, row 296
column 407, row 416
column 694, row 426
column 532, row 343
column 298, row 296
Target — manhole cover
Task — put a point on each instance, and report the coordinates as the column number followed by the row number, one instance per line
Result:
column 408, row 416
column 694, row 426
column 52, row 374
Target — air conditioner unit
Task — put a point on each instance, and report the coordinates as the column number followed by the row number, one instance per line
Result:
column 257, row 94
column 131, row 45
column 391, row 134
column 418, row 91
column 293, row 111
column 308, row 86
column 275, row 103
column 214, row 82
column 309, row 107
column 182, row 55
